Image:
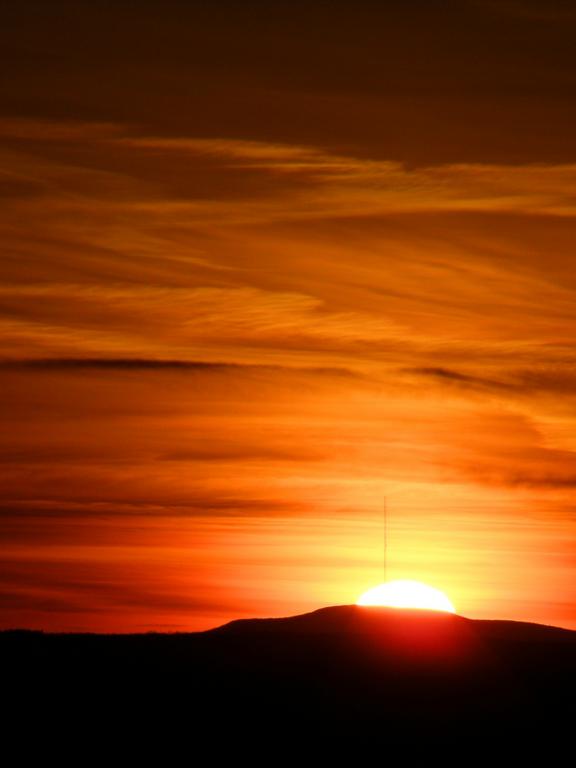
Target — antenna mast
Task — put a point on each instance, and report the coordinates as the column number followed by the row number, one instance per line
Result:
column 385, row 541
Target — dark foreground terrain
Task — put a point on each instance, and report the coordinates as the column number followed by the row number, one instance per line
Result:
column 415, row 673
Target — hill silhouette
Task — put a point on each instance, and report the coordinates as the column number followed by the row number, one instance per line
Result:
column 407, row 670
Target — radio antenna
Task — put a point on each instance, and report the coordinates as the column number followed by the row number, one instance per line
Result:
column 385, row 542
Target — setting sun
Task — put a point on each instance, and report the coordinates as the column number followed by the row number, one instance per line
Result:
column 404, row 593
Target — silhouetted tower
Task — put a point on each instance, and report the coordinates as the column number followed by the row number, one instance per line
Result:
column 385, row 541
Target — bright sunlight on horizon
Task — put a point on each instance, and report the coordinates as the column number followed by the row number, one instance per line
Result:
column 404, row 593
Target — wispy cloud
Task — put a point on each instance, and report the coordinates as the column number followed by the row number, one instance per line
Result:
column 138, row 364
column 228, row 330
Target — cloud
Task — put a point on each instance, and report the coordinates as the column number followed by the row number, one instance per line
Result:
column 139, row 364
column 262, row 182
column 228, row 330
column 324, row 265
column 94, row 588
column 515, row 382
column 146, row 321
column 339, row 185
column 460, row 379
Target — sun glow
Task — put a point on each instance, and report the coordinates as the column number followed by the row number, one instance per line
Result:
column 404, row 593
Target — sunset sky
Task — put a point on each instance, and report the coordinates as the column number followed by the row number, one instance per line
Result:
column 263, row 264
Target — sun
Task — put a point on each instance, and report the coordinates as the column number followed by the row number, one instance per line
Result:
column 404, row 593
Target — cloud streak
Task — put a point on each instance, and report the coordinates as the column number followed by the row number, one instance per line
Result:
column 139, row 364
column 245, row 333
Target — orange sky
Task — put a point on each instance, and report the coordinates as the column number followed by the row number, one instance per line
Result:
column 261, row 268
